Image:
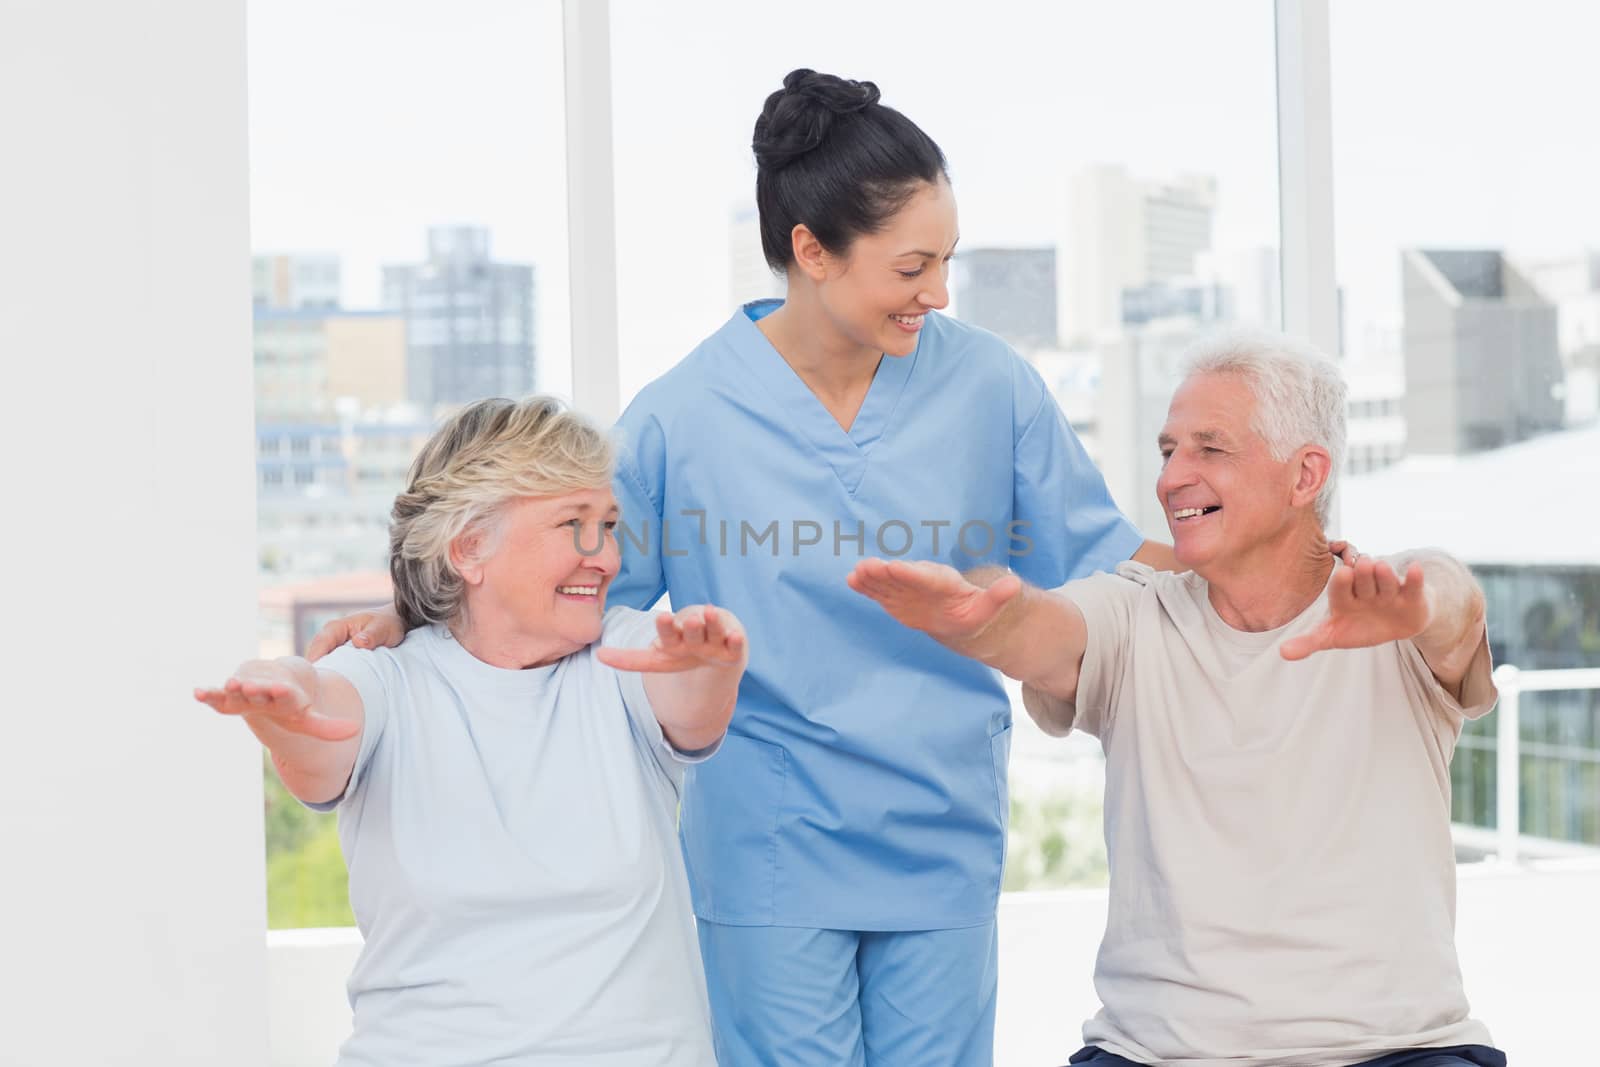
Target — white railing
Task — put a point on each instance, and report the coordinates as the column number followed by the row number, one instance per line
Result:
column 1512, row 683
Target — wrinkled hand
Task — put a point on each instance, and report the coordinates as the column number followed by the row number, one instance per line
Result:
column 1368, row 604
column 364, row 629
column 933, row 597
column 260, row 689
column 693, row 637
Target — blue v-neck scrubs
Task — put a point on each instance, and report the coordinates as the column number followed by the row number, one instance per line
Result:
column 862, row 785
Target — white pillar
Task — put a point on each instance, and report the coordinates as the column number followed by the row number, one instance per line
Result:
column 1305, row 179
column 591, row 209
column 1305, row 172
column 130, row 817
column 1508, row 762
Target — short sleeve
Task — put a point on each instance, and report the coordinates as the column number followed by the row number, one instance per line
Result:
column 1071, row 524
column 370, row 672
column 639, row 582
column 1478, row 692
column 626, row 628
column 1107, row 603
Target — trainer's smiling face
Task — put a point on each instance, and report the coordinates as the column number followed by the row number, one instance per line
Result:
column 878, row 295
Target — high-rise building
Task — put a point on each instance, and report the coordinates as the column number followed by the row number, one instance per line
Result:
column 1375, row 423
column 1011, row 291
column 307, row 360
column 469, row 320
column 1253, row 279
column 1123, row 233
column 1139, row 370
column 1483, row 364
column 297, row 281
column 1572, row 284
column 366, row 359
column 1202, row 301
column 325, row 490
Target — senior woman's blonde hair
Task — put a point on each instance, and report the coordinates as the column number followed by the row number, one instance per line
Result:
column 487, row 455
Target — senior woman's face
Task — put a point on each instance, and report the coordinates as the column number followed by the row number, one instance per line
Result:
column 548, row 575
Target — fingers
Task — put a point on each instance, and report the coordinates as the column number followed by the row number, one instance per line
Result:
column 1386, row 580
column 646, row 660
column 328, row 638
column 244, row 696
column 709, row 633
column 1366, row 580
column 363, row 630
column 902, row 581
column 1298, row 648
column 219, row 701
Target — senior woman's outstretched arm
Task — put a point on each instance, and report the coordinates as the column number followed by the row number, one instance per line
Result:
column 692, row 672
column 309, row 720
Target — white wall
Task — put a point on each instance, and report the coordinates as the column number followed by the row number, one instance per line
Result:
column 131, row 879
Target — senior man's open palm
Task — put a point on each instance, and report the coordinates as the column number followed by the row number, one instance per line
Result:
column 934, row 598
column 1368, row 604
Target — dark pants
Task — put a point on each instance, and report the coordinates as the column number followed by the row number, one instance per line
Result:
column 1454, row 1056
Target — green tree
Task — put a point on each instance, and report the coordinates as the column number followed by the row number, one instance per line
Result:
column 306, row 879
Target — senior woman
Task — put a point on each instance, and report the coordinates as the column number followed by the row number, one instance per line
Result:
column 507, row 791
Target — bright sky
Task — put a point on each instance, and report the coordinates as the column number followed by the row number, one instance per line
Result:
column 1455, row 124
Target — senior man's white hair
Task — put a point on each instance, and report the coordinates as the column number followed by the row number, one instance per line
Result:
column 1300, row 394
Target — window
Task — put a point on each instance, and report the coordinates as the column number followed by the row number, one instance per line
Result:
column 374, row 134
column 1467, row 257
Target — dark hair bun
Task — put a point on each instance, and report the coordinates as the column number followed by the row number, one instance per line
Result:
column 797, row 117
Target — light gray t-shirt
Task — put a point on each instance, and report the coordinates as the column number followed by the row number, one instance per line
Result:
column 1282, row 874
column 514, row 863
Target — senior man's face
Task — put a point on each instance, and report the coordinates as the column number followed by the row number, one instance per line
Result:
column 1222, row 491
column 553, row 563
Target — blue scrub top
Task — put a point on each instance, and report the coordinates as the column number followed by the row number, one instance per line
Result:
column 862, row 785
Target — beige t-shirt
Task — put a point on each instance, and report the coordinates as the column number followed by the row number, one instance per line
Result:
column 1282, row 875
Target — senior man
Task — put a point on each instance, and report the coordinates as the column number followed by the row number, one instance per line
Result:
column 1277, row 826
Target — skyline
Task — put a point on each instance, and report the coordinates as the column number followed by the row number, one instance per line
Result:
column 481, row 140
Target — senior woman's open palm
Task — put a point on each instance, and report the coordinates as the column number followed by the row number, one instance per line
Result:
column 699, row 636
column 264, row 689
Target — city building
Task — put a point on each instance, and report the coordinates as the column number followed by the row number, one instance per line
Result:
column 1190, row 298
column 309, row 361
column 298, row 280
column 1010, row 291
column 1375, row 422
column 1482, row 360
column 1122, row 233
column 1572, row 284
column 325, row 491
column 1253, row 281
column 1513, row 516
column 469, row 321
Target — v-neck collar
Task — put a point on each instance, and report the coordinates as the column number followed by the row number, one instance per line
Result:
column 845, row 451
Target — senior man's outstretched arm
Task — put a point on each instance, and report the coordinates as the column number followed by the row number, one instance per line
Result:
column 990, row 614
column 1425, row 596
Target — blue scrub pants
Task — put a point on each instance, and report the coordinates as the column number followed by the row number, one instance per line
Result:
column 788, row 997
